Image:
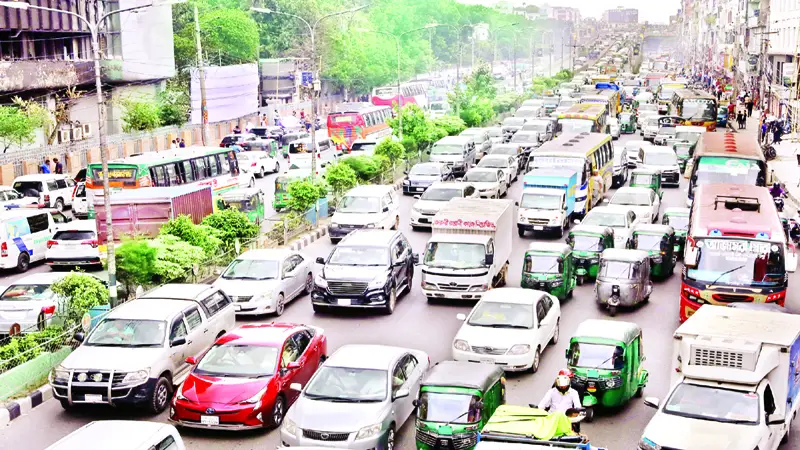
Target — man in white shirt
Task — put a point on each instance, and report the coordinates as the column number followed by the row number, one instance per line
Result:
column 561, row 397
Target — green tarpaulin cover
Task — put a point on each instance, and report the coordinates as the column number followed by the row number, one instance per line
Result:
column 531, row 422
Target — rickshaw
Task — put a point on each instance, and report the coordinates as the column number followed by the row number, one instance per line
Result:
column 456, row 399
column 605, row 357
column 623, row 279
column 250, row 201
column 722, row 117
column 646, row 178
column 678, row 219
column 587, row 243
column 549, row 267
column 659, row 242
column 520, row 425
column 683, row 150
column 627, row 123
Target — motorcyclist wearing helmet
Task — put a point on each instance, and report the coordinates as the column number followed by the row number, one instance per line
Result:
column 561, row 397
column 776, row 190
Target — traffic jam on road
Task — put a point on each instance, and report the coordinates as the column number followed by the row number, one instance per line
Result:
column 600, row 265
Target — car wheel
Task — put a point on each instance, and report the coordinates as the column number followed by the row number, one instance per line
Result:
column 277, row 167
column 280, row 305
column 161, row 396
column 23, row 262
column 536, row 360
column 392, row 301
column 318, row 309
column 309, row 286
column 60, row 204
column 278, row 412
column 262, row 173
column 396, row 225
column 252, row 182
column 554, row 340
column 65, row 404
column 390, row 438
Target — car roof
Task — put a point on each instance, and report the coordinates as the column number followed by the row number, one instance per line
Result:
column 176, row 291
column 429, row 163
column 549, row 247
column 455, row 140
column 624, row 254
column 370, row 190
column 40, row 177
column 463, row 374
column 21, row 212
column 657, row 149
column 260, row 333
column 635, row 189
column 496, row 156
column 650, row 228
column 149, row 309
column 125, row 435
column 484, row 169
column 616, row 209
column 366, row 356
column 369, row 238
column 450, row 185
column 266, row 254
column 79, row 225
column 517, row 296
column 677, row 210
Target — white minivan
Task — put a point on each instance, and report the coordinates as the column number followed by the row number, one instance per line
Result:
column 52, row 190
column 24, row 233
column 300, row 153
column 367, row 206
column 127, row 434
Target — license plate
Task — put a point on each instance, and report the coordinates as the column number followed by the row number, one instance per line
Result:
column 538, row 228
column 419, row 189
column 344, row 302
column 209, row 420
column 423, row 220
column 93, row 398
column 237, row 307
column 487, row 361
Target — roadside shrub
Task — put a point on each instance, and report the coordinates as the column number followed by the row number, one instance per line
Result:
column 365, row 167
column 304, row 194
column 174, row 258
column 390, row 149
column 201, row 236
column 341, row 178
column 232, row 225
column 136, row 261
column 452, row 125
column 82, row 291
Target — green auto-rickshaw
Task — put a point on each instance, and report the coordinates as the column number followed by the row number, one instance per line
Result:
column 587, row 242
column 549, row 267
column 678, row 219
column 250, row 201
column 605, row 357
column 659, row 242
column 455, row 401
column 683, row 150
column 627, row 122
column 646, row 178
column 281, row 199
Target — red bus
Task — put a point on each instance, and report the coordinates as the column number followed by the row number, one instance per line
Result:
column 364, row 123
column 413, row 92
column 736, row 249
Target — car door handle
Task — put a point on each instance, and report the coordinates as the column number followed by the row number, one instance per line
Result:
column 205, row 331
column 188, row 342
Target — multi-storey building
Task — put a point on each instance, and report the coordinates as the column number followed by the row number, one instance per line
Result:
column 621, row 15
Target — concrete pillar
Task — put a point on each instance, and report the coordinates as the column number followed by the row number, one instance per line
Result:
column 94, row 155
column 73, row 163
column 170, row 137
column 128, row 148
column 31, row 167
column 158, row 143
column 7, row 174
column 186, row 135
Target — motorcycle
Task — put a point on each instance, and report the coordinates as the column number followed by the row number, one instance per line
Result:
column 779, row 203
column 769, row 152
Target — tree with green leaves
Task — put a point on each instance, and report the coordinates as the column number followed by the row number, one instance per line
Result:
column 16, row 127
column 451, row 125
column 140, row 115
column 391, row 150
column 231, row 225
column 341, row 178
column 304, row 195
column 82, row 292
column 417, row 128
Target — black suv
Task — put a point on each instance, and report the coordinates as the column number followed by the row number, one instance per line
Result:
column 367, row 269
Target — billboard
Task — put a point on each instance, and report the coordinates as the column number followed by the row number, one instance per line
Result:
column 231, row 92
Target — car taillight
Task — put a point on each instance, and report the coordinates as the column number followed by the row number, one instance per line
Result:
column 777, row 297
column 92, row 242
column 49, row 309
column 51, row 243
column 3, row 250
column 221, row 144
column 74, row 190
column 253, row 164
column 47, row 198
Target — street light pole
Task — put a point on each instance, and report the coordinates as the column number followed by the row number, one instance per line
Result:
column 202, row 73
column 94, row 29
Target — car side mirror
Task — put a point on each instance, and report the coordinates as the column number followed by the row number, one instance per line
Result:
column 320, row 260
column 461, row 316
column 79, row 336
column 401, row 393
column 385, row 209
column 294, row 365
column 775, row 419
column 191, row 360
column 415, row 258
column 566, row 353
column 177, row 342
column 489, row 259
column 415, row 402
column 296, row 387
column 652, row 402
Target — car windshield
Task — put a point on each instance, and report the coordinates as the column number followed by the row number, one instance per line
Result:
column 652, row 121
column 441, row 194
column 576, row 125
column 584, row 243
column 455, row 255
column 128, row 333
column 596, row 356
column 365, row 147
column 449, row 408
column 525, row 137
column 668, row 131
column 689, row 136
column 27, row 292
column 74, row 235
column 647, row 241
column 677, row 222
column 699, row 110
column 540, row 263
column 502, row 315
column 513, row 122
column 359, row 204
column 495, row 132
column 714, row 169
column 481, row 176
column 605, row 219
column 231, row 360
column 715, row 404
column 631, row 198
column 493, row 163
column 551, row 101
column 444, row 149
column 617, row 269
column 540, row 201
column 345, row 384
column 252, row 269
column 504, row 150
column 536, row 126
column 430, row 170
column 359, row 256
column 738, row 262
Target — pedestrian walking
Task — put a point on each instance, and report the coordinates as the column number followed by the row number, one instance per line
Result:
column 58, row 166
column 45, row 167
column 748, row 102
column 182, row 143
column 173, row 144
column 777, row 131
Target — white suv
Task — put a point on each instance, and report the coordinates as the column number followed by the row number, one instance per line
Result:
column 52, row 190
column 137, row 353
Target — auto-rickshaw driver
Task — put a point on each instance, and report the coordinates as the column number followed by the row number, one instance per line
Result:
column 561, row 397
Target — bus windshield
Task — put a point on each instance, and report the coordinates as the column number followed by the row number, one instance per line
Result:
column 738, row 262
column 717, row 169
column 699, row 109
column 577, row 125
column 125, row 174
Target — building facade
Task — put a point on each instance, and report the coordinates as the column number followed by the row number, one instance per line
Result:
column 621, row 15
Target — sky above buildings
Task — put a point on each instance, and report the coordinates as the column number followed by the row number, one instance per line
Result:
column 657, row 11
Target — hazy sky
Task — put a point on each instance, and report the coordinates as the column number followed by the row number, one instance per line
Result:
column 658, row 11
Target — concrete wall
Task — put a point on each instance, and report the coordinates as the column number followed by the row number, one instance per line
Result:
column 30, row 374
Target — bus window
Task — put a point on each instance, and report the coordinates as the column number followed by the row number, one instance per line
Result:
column 158, row 176
column 213, row 165
column 186, row 170
column 200, row 166
column 172, row 175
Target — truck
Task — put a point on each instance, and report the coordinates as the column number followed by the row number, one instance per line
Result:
column 469, row 249
column 548, row 201
column 735, row 382
column 142, row 212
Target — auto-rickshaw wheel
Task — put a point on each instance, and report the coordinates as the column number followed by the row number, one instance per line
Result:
column 639, row 392
column 612, row 311
column 580, row 279
column 589, row 414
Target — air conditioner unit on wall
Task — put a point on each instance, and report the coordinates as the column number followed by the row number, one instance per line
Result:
column 87, row 130
column 77, row 134
column 64, row 136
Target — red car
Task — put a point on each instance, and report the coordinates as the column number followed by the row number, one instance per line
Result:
column 242, row 381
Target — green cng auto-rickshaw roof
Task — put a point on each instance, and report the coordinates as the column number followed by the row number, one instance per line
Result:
column 676, row 211
column 463, row 374
column 594, row 230
column 652, row 228
column 549, row 247
column 618, row 254
column 238, row 195
column 608, row 329
column 645, row 172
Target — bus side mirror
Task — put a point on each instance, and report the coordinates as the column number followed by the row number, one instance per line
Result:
column 690, row 257
column 791, row 259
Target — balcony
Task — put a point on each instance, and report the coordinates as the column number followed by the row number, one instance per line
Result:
column 33, row 75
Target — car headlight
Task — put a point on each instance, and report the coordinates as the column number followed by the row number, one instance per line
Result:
column 519, row 349
column 135, row 377
column 647, row 444
column 320, row 282
column 460, row 344
column 256, row 398
column 480, row 288
column 556, row 283
column 657, row 259
column 406, row 182
column 369, row 431
column 377, row 283
column 334, row 225
column 59, row 373
column 369, row 225
column 429, row 286
column 289, row 427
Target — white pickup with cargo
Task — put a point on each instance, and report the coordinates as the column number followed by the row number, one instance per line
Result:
column 735, row 382
column 469, row 248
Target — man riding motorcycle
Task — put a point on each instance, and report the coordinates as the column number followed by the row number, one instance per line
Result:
column 561, row 397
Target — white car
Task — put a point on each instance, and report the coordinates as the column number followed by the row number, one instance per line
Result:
column 30, row 304
column 264, row 281
column 650, row 128
column 258, row 162
column 619, row 218
column 641, row 200
column 435, row 197
column 644, row 114
column 136, row 435
column 367, row 206
column 508, row 164
column 613, row 128
column 74, row 244
column 80, row 204
column 631, row 150
column 495, row 135
column 662, row 160
column 10, row 198
column 509, row 327
column 51, row 190
column 490, row 183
